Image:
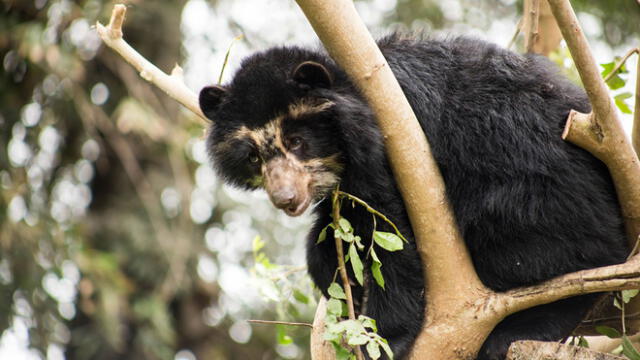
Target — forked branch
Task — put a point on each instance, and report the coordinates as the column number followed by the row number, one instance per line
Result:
column 601, row 132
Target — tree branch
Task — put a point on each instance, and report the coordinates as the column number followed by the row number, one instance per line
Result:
column 635, row 132
column 172, row 84
column 542, row 35
column 608, row 278
column 440, row 245
column 531, row 14
column 342, row 267
column 601, row 132
column 538, row 350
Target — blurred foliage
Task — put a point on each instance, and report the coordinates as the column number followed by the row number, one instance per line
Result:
column 107, row 197
column 116, row 239
column 618, row 19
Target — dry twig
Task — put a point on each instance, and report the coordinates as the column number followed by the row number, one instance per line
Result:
column 172, row 84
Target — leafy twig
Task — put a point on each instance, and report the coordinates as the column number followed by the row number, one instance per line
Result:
column 371, row 210
column 341, row 266
column 621, row 63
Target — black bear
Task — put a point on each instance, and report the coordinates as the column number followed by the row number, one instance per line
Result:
column 529, row 205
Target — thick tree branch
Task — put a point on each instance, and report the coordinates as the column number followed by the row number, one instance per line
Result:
column 348, row 41
column 172, row 84
column 601, row 132
column 608, row 278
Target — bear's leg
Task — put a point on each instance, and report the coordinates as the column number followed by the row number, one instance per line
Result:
column 550, row 322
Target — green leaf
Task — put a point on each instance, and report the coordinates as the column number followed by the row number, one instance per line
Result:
column 331, row 336
column 608, row 331
column 353, row 327
column 388, row 241
column 356, row 263
column 334, row 307
column 300, row 296
column 373, row 350
column 323, row 235
column 629, row 350
column 616, row 303
column 615, row 83
column 624, row 95
column 341, row 352
column 359, row 339
column 607, row 68
column 377, row 274
column 358, row 241
column 624, row 108
column 345, row 225
column 627, row 295
column 385, row 346
column 374, row 256
column 348, row 237
column 621, row 103
column 335, row 290
column 368, row 322
column 282, row 336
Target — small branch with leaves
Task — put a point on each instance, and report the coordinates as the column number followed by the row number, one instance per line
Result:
column 358, row 330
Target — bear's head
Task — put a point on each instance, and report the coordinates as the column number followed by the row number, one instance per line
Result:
column 274, row 127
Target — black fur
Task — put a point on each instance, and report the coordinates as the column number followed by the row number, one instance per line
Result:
column 529, row 205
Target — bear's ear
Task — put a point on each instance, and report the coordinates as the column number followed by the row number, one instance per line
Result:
column 210, row 97
column 311, row 74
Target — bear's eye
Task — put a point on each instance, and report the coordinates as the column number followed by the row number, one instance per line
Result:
column 254, row 158
column 295, row 143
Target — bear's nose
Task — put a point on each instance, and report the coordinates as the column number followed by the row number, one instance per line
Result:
column 283, row 198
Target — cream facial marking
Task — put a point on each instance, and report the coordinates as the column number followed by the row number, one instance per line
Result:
column 307, row 107
column 269, row 139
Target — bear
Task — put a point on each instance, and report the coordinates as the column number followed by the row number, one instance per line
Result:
column 529, row 205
